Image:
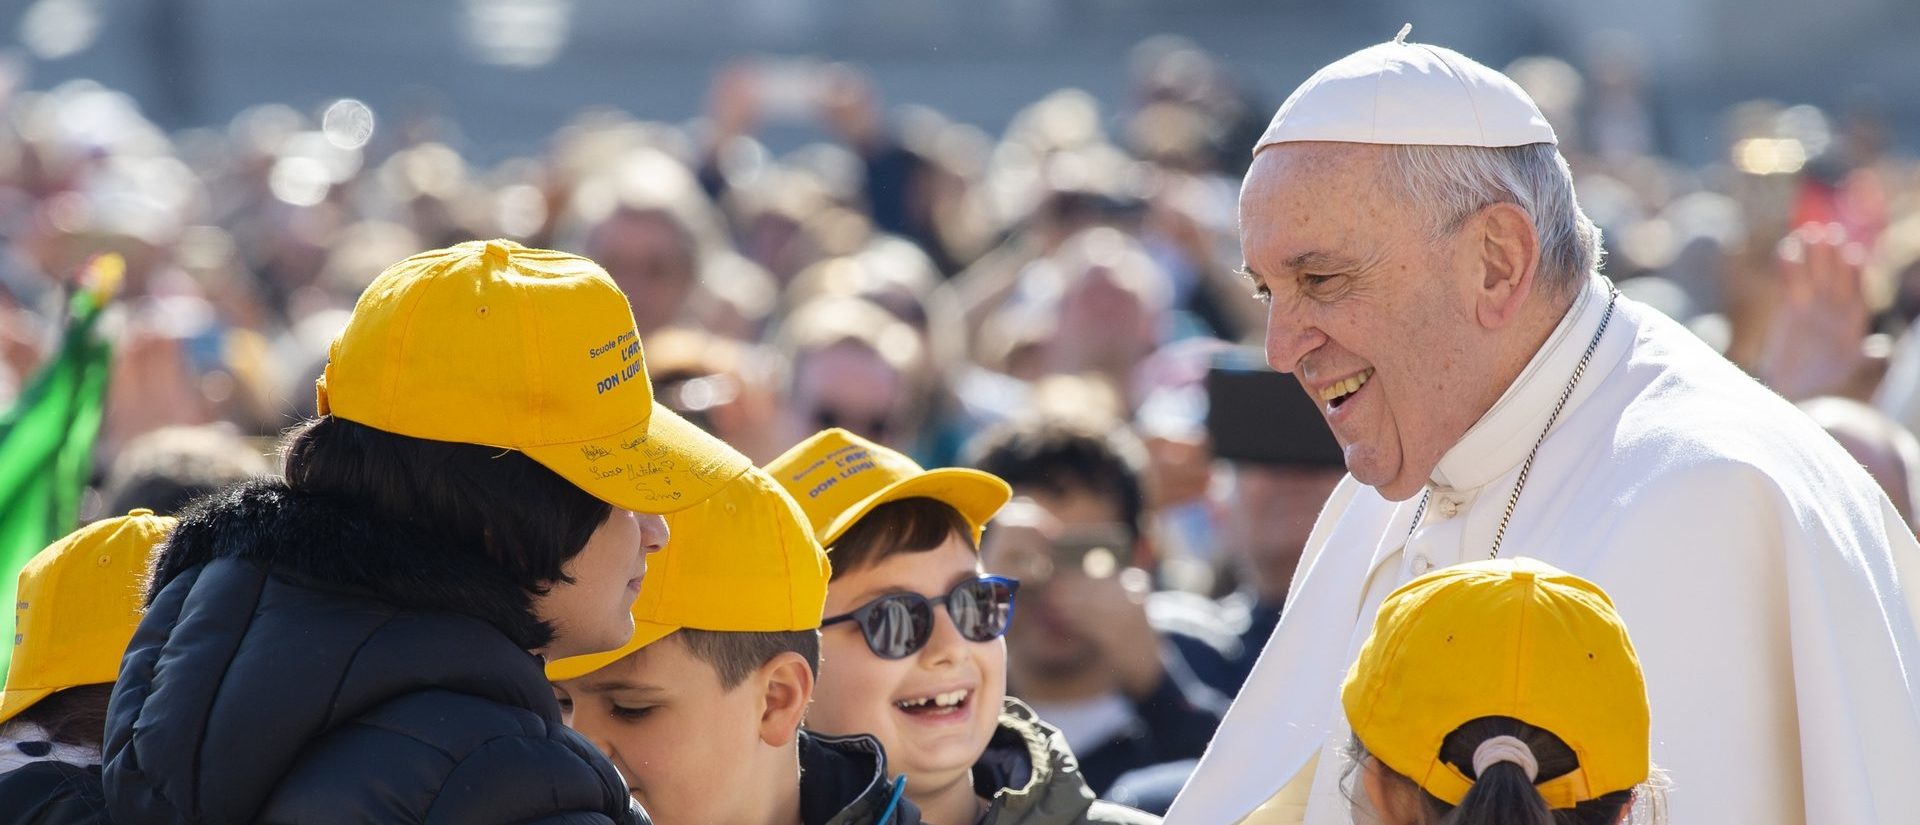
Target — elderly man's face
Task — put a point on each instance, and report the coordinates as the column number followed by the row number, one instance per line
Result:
column 1372, row 315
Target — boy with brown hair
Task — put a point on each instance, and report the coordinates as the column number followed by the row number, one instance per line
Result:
column 701, row 709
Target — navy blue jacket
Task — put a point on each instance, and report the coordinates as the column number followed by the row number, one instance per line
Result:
column 52, row 793
column 302, row 662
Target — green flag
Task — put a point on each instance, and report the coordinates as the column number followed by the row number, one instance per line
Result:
column 46, row 439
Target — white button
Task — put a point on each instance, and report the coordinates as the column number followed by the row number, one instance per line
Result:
column 1421, row 564
column 1449, row 507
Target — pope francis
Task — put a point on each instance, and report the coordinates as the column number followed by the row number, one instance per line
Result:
column 1431, row 279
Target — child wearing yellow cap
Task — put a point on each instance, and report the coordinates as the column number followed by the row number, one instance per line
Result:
column 701, row 709
column 363, row 638
column 1502, row 691
column 913, row 638
column 78, row 604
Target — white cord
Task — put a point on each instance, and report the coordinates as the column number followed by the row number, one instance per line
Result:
column 1505, row 749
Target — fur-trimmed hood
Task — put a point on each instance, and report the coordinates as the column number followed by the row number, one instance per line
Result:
column 1030, row 777
column 329, row 544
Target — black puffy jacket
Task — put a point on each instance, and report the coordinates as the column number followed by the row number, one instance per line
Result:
column 302, row 662
column 52, row 793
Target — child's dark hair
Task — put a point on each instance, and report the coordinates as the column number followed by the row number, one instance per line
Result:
column 910, row 525
column 735, row 656
column 75, row 716
column 1058, row 456
column 510, row 509
column 1504, row 795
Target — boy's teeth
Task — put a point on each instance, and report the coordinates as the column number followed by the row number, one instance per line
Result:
column 945, row 700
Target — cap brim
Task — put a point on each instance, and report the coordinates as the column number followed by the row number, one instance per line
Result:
column 14, row 701
column 662, row 466
column 574, row 667
column 977, row 495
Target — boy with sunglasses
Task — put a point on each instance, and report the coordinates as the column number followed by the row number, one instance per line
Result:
column 913, row 638
column 701, row 709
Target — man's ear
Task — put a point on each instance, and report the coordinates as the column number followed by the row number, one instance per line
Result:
column 1509, row 257
column 786, row 682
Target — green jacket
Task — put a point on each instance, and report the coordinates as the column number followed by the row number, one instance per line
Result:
column 1031, row 777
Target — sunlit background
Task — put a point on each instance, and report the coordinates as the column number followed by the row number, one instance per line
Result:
column 509, row 71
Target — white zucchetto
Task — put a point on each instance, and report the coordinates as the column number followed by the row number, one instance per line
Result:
column 1409, row 93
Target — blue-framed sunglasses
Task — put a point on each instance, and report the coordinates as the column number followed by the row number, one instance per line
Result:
column 898, row 625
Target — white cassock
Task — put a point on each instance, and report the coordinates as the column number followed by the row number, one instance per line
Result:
column 1770, row 588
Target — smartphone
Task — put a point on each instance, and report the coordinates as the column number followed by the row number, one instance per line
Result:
column 1259, row 416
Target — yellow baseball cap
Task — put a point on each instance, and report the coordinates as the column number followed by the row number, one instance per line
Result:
column 838, row 478
column 741, row 561
column 1507, row 637
column 525, row 349
column 79, row 603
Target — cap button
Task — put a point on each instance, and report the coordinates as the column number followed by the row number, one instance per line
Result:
column 139, row 511
column 497, row 252
column 1523, row 575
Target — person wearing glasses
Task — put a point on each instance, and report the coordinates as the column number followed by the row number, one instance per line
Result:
column 700, row 710
column 1121, row 670
column 913, row 638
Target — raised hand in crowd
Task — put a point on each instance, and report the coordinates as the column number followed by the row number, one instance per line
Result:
column 1814, row 345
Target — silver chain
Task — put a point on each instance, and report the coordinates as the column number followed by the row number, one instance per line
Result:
column 1500, row 534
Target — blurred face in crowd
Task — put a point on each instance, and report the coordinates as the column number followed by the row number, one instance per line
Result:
column 1270, row 516
column 650, row 259
column 684, row 741
column 592, row 611
column 863, row 693
column 1389, row 329
column 1104, row 325
column 1108, row 318
column 1025, row 543
column 848, row 385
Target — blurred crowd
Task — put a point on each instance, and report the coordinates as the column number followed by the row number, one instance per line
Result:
column 1046, row 304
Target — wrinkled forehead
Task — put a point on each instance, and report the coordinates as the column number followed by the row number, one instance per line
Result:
column 1317, row 196
column 1311, row 170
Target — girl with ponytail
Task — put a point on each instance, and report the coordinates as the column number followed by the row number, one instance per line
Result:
column 1503, row 692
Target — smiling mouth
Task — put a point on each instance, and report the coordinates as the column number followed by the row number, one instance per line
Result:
column 1337, row 394
column 938, row 705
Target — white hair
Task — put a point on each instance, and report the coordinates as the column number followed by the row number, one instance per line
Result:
column 1457, row 181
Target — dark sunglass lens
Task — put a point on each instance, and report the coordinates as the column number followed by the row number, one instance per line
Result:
column 898, row 626
column 981, row 609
